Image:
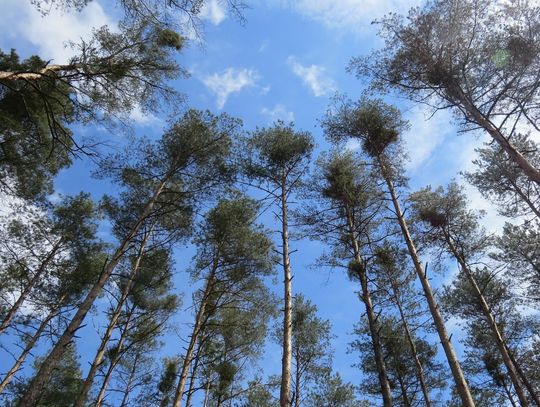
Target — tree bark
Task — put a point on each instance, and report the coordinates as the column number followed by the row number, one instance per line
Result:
column 462, row 386
column 26, row 291
column 486, row 310
column 372, row 318
column 197, row 329
column 113, row 321
column 412, row 344
column 33, row 76
column 34, row 390
column 286, row 360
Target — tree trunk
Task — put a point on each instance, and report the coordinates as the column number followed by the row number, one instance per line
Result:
column 403, row 388
column 412, row 344
column 462, row 386
column 530, row 170
column 486, row 310
column 372, row 318
column 193, row 374
column 34, row 390
column 26, row 291
column 297, row 380
column 197, row 329
column 114, row 361
column 527, row 200
column 29, row 346
column 206, row 393
column 33, row 76
column 98, row 358
column 285, row 389
column 129, row 383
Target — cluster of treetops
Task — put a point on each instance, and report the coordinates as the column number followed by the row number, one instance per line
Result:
column 479, row 58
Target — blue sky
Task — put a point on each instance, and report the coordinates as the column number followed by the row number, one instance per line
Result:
column 285, row 63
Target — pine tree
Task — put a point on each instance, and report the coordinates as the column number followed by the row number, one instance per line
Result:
column 344, row 213
column 161, row 182
column 233, row 253
column 452, row 227
column 277, row 159
column 427, row 56
column 377, row 126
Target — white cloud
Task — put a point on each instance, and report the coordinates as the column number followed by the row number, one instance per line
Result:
column 279, row 112
column 214, row 11
column 425, row 135
column 229, row 81
column 314, row 76
column 143, row 118
column 50, row 33
column 352, row 15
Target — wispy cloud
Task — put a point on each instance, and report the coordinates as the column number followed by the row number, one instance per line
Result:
column 350, row 15
column 313, row 76
column 427, row 132
column 213, row 11
column 50, row 33
column 229, row 81
column 279, row 112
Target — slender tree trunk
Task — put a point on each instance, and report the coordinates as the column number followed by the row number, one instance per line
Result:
column 528, row 169
column 525, row 198
column 524, row 378
column 194, row 373
column 509, row 394
column 28, row 288
column 197, row 329
column 129, row 383
column 403, row 388
column 34, row 390
column 372, row 318
column 412, row 344
column 115, row 360
column 297, row 380
column 462, row 386
column 285, row 389
column 206, row 393
column 113, row 321
column 29, row 346
column 486, row 310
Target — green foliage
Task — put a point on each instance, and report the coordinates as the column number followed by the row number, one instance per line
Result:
column 33, row 148
column 64, row 383
column 277, row 152
column 498, row 178
column 399, row 362
column 519, row 250
column 191, row 159
column 376, row 124
column 333, row 392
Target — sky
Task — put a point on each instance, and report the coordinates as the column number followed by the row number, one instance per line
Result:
column 284, row 63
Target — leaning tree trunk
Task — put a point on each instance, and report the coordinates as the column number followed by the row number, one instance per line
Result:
column 462, row 386
column 114, row 361
column 34, row 390
column 528, row 169
column 194, row 373
column 113, row 321
column 372, row 318
column 28, row 288
column 412, row 344
column 30, row 345
column 197, row 330
column 286, row 360
column 486, row 310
